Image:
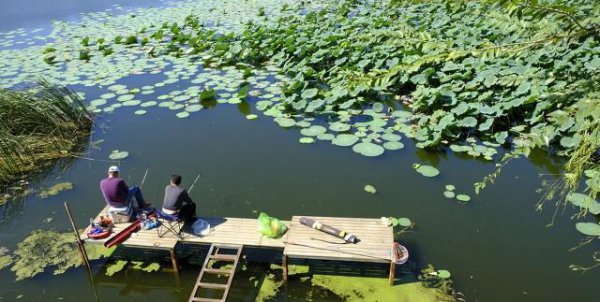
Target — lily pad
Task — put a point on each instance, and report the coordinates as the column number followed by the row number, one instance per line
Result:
column 339, row 127
column 584, row 201
column 98, row 102
column 404, row 222
column 426, row 170
column 193, row 108
column 313, row 130
column 393, row 146
column 368, row 149
column 449, row 194
column 444, row 274
column 344, row 140
column 463, row 197
column 116, row 154
column 588, row 228
column 370, row 189
column 140, row 112
column 182, row 114
column 450, row 187
column 306, row 140
column 251, row 116
column 391, row 137
column 285, row 122
column 325, row 136
column 149, row 104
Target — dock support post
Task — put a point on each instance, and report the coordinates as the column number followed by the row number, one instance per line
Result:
column 82, row 251
column 174, row 260
column 392, row 272
column 285, row 268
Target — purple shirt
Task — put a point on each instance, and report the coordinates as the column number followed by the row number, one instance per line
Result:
column 114, row 191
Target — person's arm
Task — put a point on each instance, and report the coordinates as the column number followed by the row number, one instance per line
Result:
column 123, row 189
column 185, row 197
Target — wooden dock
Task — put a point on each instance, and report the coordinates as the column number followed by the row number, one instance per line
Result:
column 299, row 242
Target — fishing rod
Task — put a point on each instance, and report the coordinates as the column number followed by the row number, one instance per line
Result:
column 337, row 250
column 192, row 186
column 144, row 178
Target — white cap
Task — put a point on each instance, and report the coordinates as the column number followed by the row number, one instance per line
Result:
column 113, row 169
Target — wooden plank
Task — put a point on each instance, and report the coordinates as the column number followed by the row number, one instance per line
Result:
column 376, row 240
column 212, row 285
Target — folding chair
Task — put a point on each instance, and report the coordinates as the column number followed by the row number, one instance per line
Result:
column 169, row 224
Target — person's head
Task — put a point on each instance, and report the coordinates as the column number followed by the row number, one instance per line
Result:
column 113, row 171
column 175, row 179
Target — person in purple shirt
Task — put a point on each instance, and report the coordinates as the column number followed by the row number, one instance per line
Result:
column 116, row 192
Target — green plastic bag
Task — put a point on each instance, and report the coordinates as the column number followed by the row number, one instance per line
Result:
column 270, row 227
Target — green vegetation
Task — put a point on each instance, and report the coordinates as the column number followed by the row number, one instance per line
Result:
column 474, row 77
column 44, row 249
column 55, row 189
column 352, row 288
column 37, row 125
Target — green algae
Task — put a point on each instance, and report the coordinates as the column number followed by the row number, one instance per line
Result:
column 268, row 288
column 56, row 189
column 139, row 265
column 43, row 249
column 352, row 288
column 5, row 261
column 116, row 267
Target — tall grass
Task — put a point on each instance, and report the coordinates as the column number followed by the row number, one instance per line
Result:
column 39, row 124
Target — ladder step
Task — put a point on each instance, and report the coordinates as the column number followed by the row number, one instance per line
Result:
column 211, row 285
column 223, row 257
column 206, row 300
column 217, row 271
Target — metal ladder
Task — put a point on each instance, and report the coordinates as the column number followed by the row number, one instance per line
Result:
column 213, row 254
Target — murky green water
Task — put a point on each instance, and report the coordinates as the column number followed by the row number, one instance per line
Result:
column 497, row 247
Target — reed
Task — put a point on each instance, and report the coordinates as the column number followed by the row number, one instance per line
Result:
column 39, row 124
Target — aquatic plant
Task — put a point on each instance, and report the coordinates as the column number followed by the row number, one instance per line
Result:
column 46, row 122
column 44, row 249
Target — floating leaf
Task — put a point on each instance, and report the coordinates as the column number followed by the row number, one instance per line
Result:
column 309, row 93
column 285, row 122
column 306, row 140
column 339, row 127
column 148, row 104
column 391, row 137
column 251, row 116
column 370, row 189
column 368, row 149
column 182, row 114
column 588, row 228
column 116, row 154
column 393, row 145
column 463, row 197
column 140, row 112
column 426, row 170
column 326, row 137
column 404, row 222
column 444, row 274
column 450, row 187
column 449, row 194
column 584, row 201
column 313, row 130
column 344, row 140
